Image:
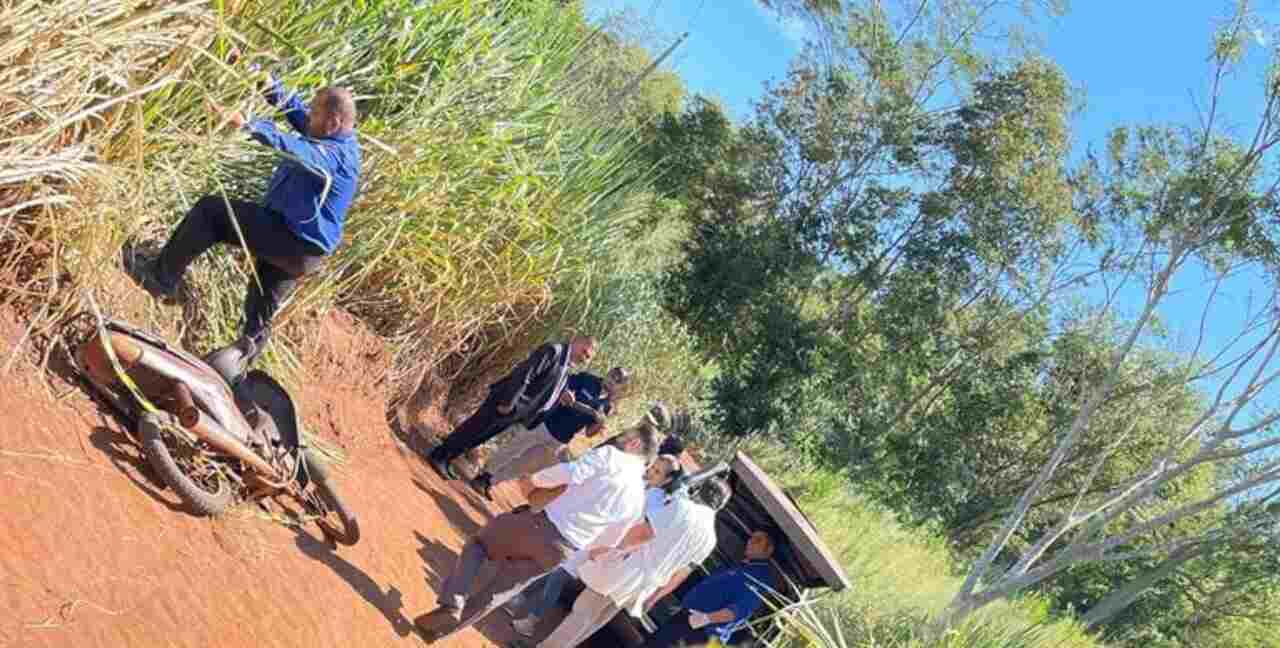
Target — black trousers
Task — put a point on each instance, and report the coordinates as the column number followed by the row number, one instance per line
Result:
column 676, row 632
column 481, row 426
column 266, row 235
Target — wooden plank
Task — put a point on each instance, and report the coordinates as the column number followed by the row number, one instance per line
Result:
column 801, row 534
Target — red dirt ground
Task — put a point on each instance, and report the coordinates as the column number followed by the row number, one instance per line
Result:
column 93, row 552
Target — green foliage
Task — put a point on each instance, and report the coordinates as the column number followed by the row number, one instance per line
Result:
column 900, row 577
column 886, row 286
column 685, row 145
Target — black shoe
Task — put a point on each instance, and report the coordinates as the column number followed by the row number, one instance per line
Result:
column 441, row 466
column 232, row 361
column 144, row 268
column 483, row 484
column 438, row 622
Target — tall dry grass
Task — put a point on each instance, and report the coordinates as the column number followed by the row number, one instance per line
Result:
column 495, row 185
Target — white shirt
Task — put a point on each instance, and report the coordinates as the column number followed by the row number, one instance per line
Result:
column 684, row 534
column 654, row 500
column 604, row 499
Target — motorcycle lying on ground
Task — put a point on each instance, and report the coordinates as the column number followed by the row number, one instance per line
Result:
column 211, row 438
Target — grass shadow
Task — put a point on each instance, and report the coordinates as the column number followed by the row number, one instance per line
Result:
column 437, row 560
column 389, row 602
column 462, row 521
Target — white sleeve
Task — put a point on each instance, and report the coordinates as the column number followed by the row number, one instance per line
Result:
column 572, row 472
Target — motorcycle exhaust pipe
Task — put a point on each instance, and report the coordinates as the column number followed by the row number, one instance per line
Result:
column 96, row 362
column 208, row 430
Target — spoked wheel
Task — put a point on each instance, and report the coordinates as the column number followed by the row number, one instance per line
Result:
column 336, row 521
column 203, row 496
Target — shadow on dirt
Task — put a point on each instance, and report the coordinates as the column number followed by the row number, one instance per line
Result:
column 128, row 459
column 389, row 602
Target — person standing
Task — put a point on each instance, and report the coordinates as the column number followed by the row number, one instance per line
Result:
column 546, row 443
column 298, row 223
column 603, row 500
column 720, row 604
column 684, row 532
column 527, row 608
column 533, row 387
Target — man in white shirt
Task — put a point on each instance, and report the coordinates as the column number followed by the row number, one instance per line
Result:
column 603, row 499
column 528, row 607
column 684, row 534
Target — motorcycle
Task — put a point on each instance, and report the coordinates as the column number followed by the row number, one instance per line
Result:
column 211, row 437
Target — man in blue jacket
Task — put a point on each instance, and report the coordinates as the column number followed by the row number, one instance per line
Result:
column 298, row 223
column 722, row 603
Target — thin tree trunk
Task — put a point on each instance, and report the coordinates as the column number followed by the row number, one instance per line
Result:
column 1119, row 600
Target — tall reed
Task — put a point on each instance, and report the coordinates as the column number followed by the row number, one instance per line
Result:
column 495, row 183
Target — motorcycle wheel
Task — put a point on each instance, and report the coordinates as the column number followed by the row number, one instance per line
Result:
column 198, row 499
column 349, row 534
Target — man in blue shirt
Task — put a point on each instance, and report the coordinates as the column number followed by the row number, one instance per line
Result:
column 720, row 604
column 543, row 443
column 298, row 223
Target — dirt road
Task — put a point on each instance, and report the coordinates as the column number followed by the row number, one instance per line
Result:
column 93, row 552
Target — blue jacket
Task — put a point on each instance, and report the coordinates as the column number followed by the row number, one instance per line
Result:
column 737, row 588
column 563, row 423
column 315, row 182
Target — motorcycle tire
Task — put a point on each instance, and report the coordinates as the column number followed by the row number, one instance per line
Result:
column 320, row 480
column 199, row 500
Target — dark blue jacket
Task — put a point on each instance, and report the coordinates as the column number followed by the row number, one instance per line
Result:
column 315, row 182
column 734, row 588
column 564, row 423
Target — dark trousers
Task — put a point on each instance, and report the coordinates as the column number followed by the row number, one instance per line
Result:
column 676, row 632
column 527, row 546
column 481, row 426
column 267, row 237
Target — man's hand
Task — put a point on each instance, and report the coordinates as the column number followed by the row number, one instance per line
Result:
column 259, row 76
column 698, row 619
column 605, row 553
column 567, row 398
column 233, row 117
column 595, row 429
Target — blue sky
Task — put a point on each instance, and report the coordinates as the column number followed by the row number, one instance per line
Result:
column 734, row 46
column 1137, row 62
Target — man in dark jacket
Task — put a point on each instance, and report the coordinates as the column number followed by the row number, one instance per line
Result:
column 533, row 387
column 546, row 444
column 298, row 222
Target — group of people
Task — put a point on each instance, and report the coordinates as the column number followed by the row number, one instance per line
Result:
column 611, row 517
column 608, row 518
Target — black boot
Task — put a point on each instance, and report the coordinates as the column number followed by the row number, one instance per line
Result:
column 483, row 484
column 144, row 268
column 440, row 463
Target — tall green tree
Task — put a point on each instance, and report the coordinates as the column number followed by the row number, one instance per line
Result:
column 1164, row 201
